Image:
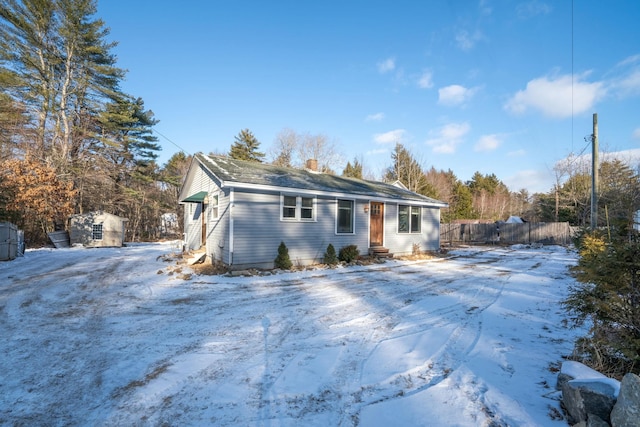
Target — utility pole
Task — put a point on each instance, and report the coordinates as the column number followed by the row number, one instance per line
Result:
column 594, row 173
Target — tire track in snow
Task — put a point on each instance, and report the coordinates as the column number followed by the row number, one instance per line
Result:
column 215, row 357
column 442, row 363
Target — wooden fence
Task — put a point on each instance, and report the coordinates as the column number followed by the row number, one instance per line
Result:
column 550, row 233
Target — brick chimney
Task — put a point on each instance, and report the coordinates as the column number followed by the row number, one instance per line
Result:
column 312, row 164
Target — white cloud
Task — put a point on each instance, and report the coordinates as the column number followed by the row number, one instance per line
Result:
column 627, row 80
column 535, row 181
column 485, row 8
column 466, row 41
column 455, row 95
column 636, row 133
column 390, row 137
column 629, row 61
column 387, row 65
column 426, row 80
column 446, row 139
column 488, row 142
column 374, row 117
column 532, row 8
column 629, row 157
column 553, row 96
column 628, row 85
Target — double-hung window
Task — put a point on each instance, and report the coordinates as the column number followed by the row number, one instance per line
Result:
column 297, row 208
column 409, row 219
column 213, row 207
column 306, row 208
column 344, row 220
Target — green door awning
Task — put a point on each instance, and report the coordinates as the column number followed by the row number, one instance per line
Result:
column 196, row 198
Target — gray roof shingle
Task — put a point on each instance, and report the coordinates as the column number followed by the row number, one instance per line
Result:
column 232, row 172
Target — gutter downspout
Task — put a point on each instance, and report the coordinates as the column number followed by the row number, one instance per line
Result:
column 231, row 203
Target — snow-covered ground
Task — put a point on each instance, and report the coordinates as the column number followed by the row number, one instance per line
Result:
column 112, row 337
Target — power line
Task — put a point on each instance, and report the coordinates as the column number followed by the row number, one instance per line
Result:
column 165, row 137
column 572, row 76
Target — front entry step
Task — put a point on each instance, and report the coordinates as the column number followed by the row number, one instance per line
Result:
column 380, row 252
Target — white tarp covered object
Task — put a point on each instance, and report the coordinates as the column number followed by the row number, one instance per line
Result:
column 514, row 220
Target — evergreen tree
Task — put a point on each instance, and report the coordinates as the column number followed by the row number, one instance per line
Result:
column 330, row 257
column 246, row 147
column 461, row 203
column 491, row 197
column 282, row 260
column 353, row 171
column 608, row 298
column 14, row 126
column 176, row 169
column 55, row 55
column 488, row 183
column 126, row 127
column 407, row 170
column 30, row 57
column 56, row 64
column 171, row 175
column 619, row 197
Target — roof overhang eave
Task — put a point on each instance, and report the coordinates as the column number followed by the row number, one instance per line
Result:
column 374, row 197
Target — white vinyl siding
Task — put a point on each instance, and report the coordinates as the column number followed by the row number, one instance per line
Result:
column 258, row 230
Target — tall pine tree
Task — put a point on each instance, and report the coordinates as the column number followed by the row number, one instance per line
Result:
column 55, row 57
column 57, row 65
column 407, row 170
column 246, row 147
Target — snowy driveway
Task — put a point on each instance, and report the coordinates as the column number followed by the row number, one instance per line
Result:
column 109, row 337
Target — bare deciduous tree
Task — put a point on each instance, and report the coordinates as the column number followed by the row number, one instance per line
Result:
column 320, row 148
column 292, row 149
column 284, row 147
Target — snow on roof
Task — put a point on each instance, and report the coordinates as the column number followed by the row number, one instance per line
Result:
column 235, row 173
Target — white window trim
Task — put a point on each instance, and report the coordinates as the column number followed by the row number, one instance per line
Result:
column 211, row 208
column 298, row 207
column 353, row 216
column 398, row 219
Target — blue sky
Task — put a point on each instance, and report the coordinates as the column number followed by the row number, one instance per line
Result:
column 504, row 87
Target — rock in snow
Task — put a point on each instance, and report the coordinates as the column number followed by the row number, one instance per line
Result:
column 626, row 412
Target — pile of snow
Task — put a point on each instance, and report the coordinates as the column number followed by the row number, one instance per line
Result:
column 117, row 337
